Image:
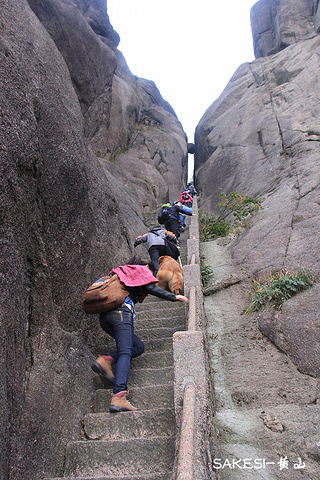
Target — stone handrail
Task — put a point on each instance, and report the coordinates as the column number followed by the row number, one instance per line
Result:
column 185, row 465
column 192, row 392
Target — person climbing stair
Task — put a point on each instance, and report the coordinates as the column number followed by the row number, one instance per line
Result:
column 156, row 240
column 172, row 224
column 118, row 323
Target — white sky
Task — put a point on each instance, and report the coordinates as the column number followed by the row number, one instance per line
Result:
column 189, row 48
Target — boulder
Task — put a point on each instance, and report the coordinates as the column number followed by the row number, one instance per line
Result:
column 85, row 148
column 289, row 330
column 121, row 112
column 261, row 138
column 276, row 24
column 191, row 148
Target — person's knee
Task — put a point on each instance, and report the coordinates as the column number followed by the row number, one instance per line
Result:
column 125, row 352
column 139, row 348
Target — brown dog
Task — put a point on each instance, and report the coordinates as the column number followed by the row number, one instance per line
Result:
column 170, row 275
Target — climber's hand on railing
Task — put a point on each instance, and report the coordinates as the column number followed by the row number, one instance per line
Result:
column 182, row 298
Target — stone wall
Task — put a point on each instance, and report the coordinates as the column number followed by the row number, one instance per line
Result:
column 85, row 147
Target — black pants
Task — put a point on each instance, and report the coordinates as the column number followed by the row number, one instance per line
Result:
column 172, row 224
column 155, row 251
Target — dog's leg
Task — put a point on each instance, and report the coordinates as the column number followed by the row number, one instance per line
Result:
column 175, row 285
column 162, row 280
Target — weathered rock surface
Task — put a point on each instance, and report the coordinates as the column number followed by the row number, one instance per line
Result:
column 276, row 24
column 126, row 121
column 261, row 137
column 292, row 333
column 264, row 407
column 85, row 147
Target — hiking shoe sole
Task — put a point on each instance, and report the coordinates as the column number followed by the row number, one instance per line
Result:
column 115, row 409
column 96, row 367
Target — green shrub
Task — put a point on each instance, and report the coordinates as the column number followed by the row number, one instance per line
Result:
column 206, row 271
column 210, row 227
column 313, row 132
column 233, row 211
column 238, row 206
column 276, row 288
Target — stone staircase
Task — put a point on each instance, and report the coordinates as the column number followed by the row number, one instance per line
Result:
column 138, row 445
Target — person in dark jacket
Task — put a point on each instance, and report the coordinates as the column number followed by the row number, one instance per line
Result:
column 190, row 189
column 118, row 323
column 172, row 224
column 155, row 240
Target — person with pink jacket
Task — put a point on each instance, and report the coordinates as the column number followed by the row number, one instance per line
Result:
column 119, row 324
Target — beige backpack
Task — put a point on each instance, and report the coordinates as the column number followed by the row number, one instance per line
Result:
column 105, row 294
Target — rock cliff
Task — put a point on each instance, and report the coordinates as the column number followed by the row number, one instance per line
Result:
column 261, row 137
column 276, row 24
column 86, row 149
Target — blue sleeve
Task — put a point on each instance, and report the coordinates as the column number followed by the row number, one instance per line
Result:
column 186, row 210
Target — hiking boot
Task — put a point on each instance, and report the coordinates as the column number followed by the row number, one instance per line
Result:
column 120, row 403
column 103, row 368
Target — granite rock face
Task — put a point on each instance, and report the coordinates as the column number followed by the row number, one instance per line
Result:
column 276, row 24
column 126, row 121
column 85, row 148
column 290, row 331
column 261, row 137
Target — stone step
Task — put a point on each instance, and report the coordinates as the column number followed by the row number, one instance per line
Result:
column 145, row 398
column 160, row 304
column 156, row 321
column 158, row 344
column 163, row 311
column 159, row 332
column 151, row 476
column 154, row 359
column 149, row 360
column 149, row 299
column 149, row 423
column 120, row 457
column 142, row 377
